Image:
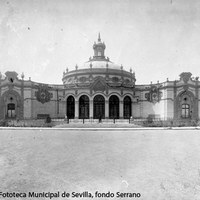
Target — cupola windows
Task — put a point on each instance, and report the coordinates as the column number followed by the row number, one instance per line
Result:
column 99, row 49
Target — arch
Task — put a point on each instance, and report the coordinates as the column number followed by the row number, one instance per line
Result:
column 70, row 107
column 129, row 95
column 102, row 94
column 116, row 94
column 114, row 107
column 9, row 98
column 99, row 107
column 127, row 107
column 189, row 93
column 186, row 106
column 69, row 94
column 83, row 94
column 84, row 107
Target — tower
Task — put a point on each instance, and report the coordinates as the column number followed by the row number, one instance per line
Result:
column 99, row 49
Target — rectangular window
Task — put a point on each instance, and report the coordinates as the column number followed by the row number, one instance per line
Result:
column 185, row 111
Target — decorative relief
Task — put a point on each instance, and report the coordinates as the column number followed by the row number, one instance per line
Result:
column 127, row 81
column 99, row 86
column 185, row 76
column 185, row 87
column 69, row 80
column 11, row 76
column 115, row 79
column 154, row 95
column 83, row 79
column 43, row 95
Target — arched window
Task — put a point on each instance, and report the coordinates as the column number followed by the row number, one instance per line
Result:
column 185, row 110
column 114, row 107
column 70, row 107
column 99, row 107
column 127, row 107
column 84, row 107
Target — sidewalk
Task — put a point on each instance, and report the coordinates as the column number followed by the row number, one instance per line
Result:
column 96, row 127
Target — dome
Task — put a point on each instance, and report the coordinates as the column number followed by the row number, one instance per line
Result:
column 98, row 67
column 101, row 64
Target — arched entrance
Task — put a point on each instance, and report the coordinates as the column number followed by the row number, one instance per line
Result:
column 70, row 107
column 84, row 107
column 11, row 105
column 127, row 107
column 186, row 106
column 114, row 107
column 99, row 107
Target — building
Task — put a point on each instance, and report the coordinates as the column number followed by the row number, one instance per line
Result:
column 99, row 89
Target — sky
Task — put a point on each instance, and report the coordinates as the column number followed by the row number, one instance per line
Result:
column 158, row 39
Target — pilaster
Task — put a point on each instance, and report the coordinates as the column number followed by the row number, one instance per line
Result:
column 106, row 109
column 76, row 109
column 121, row 110
column 175, row 104
column 196, row 100
column 21, row 115
column 91, row 108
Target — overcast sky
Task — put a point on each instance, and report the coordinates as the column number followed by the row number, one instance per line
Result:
column 158, row 39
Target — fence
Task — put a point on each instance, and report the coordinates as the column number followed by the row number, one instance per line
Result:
column 143, row 122
column 146, row 122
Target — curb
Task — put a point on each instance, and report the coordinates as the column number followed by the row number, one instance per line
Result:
column 99, row 128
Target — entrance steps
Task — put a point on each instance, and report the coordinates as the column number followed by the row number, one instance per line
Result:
column 96, row 121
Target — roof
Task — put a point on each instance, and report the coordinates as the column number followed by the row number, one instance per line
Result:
column 100, row 64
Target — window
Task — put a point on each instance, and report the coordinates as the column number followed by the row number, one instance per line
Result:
column 185, row 111
column 11, row 110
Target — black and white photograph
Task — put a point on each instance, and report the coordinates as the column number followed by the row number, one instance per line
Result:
column 99, row 99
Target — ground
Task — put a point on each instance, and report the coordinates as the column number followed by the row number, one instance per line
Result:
column 158, row 164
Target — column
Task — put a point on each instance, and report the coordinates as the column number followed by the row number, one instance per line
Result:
column 175, row 103
column 121, row 110
column 106, row 109
column 65, row 106
column 196, row 101
column 21, row 111
column 91, row 109
column 76, row 109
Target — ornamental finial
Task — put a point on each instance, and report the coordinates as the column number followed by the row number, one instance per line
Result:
column 99, row 38
column 22, row 75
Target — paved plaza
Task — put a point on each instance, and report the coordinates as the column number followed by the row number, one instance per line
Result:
column 158, row 164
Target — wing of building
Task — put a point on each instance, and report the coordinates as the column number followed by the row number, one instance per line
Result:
column 99, row 89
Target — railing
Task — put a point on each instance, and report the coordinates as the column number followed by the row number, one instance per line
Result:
column 147, row 122
column 142, row 122
column 165, row 122
column 91, row 120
